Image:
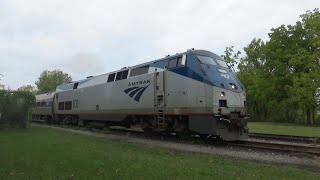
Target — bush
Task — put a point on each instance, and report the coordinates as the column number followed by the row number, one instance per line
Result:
column 15, row 108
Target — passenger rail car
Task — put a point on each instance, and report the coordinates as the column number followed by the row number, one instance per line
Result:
column 194, row 92
column 43, row 110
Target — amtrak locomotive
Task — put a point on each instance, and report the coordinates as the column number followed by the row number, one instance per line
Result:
column 194, row 92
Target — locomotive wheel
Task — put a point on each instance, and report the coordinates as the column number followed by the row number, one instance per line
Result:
column 128, row 126
column 183, row 135
column 48, row 119
column 204, row 136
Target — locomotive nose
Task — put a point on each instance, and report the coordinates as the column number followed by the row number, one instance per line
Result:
column 228, row 102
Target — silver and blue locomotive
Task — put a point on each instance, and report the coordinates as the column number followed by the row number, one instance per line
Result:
column 194, row 92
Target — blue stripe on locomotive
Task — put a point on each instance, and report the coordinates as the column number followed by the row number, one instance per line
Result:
column 207, row 74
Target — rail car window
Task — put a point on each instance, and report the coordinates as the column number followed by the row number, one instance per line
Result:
column 75, row 86
column 111, row 77
column 49, row 103
column 68, row 105
column 122, row 75
column 172, row 63
column 38, row 104
column 206, row 60
column 43, row 103
column 61, row 106
column 139, row 71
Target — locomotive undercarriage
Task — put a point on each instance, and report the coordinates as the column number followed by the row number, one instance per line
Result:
column 171, row 124
column 226, row 129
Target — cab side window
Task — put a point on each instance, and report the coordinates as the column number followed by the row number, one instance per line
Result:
column 138, row 71
column 177, row 62
column 172, row 63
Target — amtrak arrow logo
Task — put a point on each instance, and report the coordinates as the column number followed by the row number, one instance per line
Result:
column 136, row 92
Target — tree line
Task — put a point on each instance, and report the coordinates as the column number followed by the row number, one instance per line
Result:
column 15, row 106
column 282, row 74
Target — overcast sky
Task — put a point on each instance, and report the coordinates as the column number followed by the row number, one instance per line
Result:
column 92, row 37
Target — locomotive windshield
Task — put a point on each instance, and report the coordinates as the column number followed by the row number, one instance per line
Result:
column 211, row 61
column 206, row 60
column 222, row 63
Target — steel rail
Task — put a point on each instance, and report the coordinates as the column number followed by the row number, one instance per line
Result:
column 294, row 148
column 287, row 138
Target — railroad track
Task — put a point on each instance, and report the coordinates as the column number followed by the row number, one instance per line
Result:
column 306, row 148
column 285, row 147
column 286, row 138
column 280, row 147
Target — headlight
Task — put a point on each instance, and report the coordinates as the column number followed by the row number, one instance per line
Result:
column 233, row 86
column 222, row 94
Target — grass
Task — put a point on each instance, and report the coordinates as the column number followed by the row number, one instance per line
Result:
column 284, row 128
column 41, row 153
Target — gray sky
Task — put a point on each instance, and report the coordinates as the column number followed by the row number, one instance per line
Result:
column 92, row 37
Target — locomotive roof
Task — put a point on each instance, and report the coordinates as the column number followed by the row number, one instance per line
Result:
column 45, row 96
column 198, row 52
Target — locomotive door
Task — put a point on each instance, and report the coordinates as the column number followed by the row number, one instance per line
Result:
column 159, row 89
column 159, row 99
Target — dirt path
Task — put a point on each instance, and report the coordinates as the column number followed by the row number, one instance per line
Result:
column 312, row 163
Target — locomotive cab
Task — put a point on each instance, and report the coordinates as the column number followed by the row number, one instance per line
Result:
column 225, row 96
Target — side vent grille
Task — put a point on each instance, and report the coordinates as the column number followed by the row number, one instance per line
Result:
column 222, row 103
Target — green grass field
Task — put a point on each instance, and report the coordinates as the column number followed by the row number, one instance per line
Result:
column 41, row 153
column 284, row 128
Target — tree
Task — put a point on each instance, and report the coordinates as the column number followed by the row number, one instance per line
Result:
column 304, row 62
column 282, row 75
column 230, row 57
column 28, row 88
column 15, row 108
column 49, row 80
